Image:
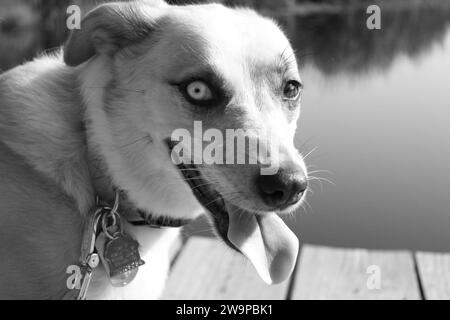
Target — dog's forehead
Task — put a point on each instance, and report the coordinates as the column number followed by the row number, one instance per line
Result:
column 226, row 38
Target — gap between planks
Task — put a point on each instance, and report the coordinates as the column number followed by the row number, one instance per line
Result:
column 206, row 269
column 343, row 274
column 434, row 272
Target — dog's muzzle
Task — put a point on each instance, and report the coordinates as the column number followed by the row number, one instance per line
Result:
column 263, row 238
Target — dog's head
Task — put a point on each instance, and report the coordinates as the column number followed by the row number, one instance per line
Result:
column 169, row 82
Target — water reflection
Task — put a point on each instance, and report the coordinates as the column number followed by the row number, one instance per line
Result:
column 333, row 42
column 341, row 42
column 384, row 135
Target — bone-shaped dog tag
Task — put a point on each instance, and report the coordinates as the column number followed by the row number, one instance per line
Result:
column 120, row 257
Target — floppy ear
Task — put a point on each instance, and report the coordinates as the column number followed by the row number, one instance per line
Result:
column 108, row 28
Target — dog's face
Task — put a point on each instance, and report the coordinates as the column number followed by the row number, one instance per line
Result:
column 172, row 68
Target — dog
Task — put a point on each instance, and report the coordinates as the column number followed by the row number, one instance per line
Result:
column 97, row 117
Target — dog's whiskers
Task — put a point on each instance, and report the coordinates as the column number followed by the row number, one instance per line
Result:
column 188, row 169
column 193, row 178
column 136, row 141
column 309, row 153
column 320, row 171
column 202, row 185
column 321, row 179
column 211, row 202
column 305, row 201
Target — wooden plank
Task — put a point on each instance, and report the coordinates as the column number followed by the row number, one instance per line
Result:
column 331, row 273
column 207, row 269
column 434, row 271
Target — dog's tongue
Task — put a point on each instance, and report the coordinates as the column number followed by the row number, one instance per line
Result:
column 266, row 241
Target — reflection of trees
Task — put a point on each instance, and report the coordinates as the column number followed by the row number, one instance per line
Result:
column 17, row 37
column 334, row 41
column 29, row 27
column 341, row 42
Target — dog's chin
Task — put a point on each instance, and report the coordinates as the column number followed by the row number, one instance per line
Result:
column 263, row 238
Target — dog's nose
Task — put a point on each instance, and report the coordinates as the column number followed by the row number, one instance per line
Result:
column 282, row 189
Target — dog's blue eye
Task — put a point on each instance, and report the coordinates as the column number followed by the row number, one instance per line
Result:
column 199, row 91
column 204, row 90
column 292, row 90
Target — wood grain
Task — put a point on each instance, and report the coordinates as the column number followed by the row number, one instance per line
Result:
column 331, row 273
column 434, row 271
column 207, row 269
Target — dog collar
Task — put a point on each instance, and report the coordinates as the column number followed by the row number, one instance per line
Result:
column 158, row 222
column 106, row 192
column 137, row 217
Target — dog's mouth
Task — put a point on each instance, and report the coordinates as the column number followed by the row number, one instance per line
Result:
column 263, row 238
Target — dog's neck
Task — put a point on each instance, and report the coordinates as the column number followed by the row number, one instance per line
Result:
column 101, row 179
column 104, row 183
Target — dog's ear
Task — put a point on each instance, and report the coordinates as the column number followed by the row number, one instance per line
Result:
column 110, row 27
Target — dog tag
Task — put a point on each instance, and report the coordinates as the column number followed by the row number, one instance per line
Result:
column 120, row 257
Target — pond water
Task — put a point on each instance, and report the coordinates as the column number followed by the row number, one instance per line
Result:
column 376, row 111
column 377, row 107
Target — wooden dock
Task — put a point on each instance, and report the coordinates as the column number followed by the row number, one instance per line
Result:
column 204, row 268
